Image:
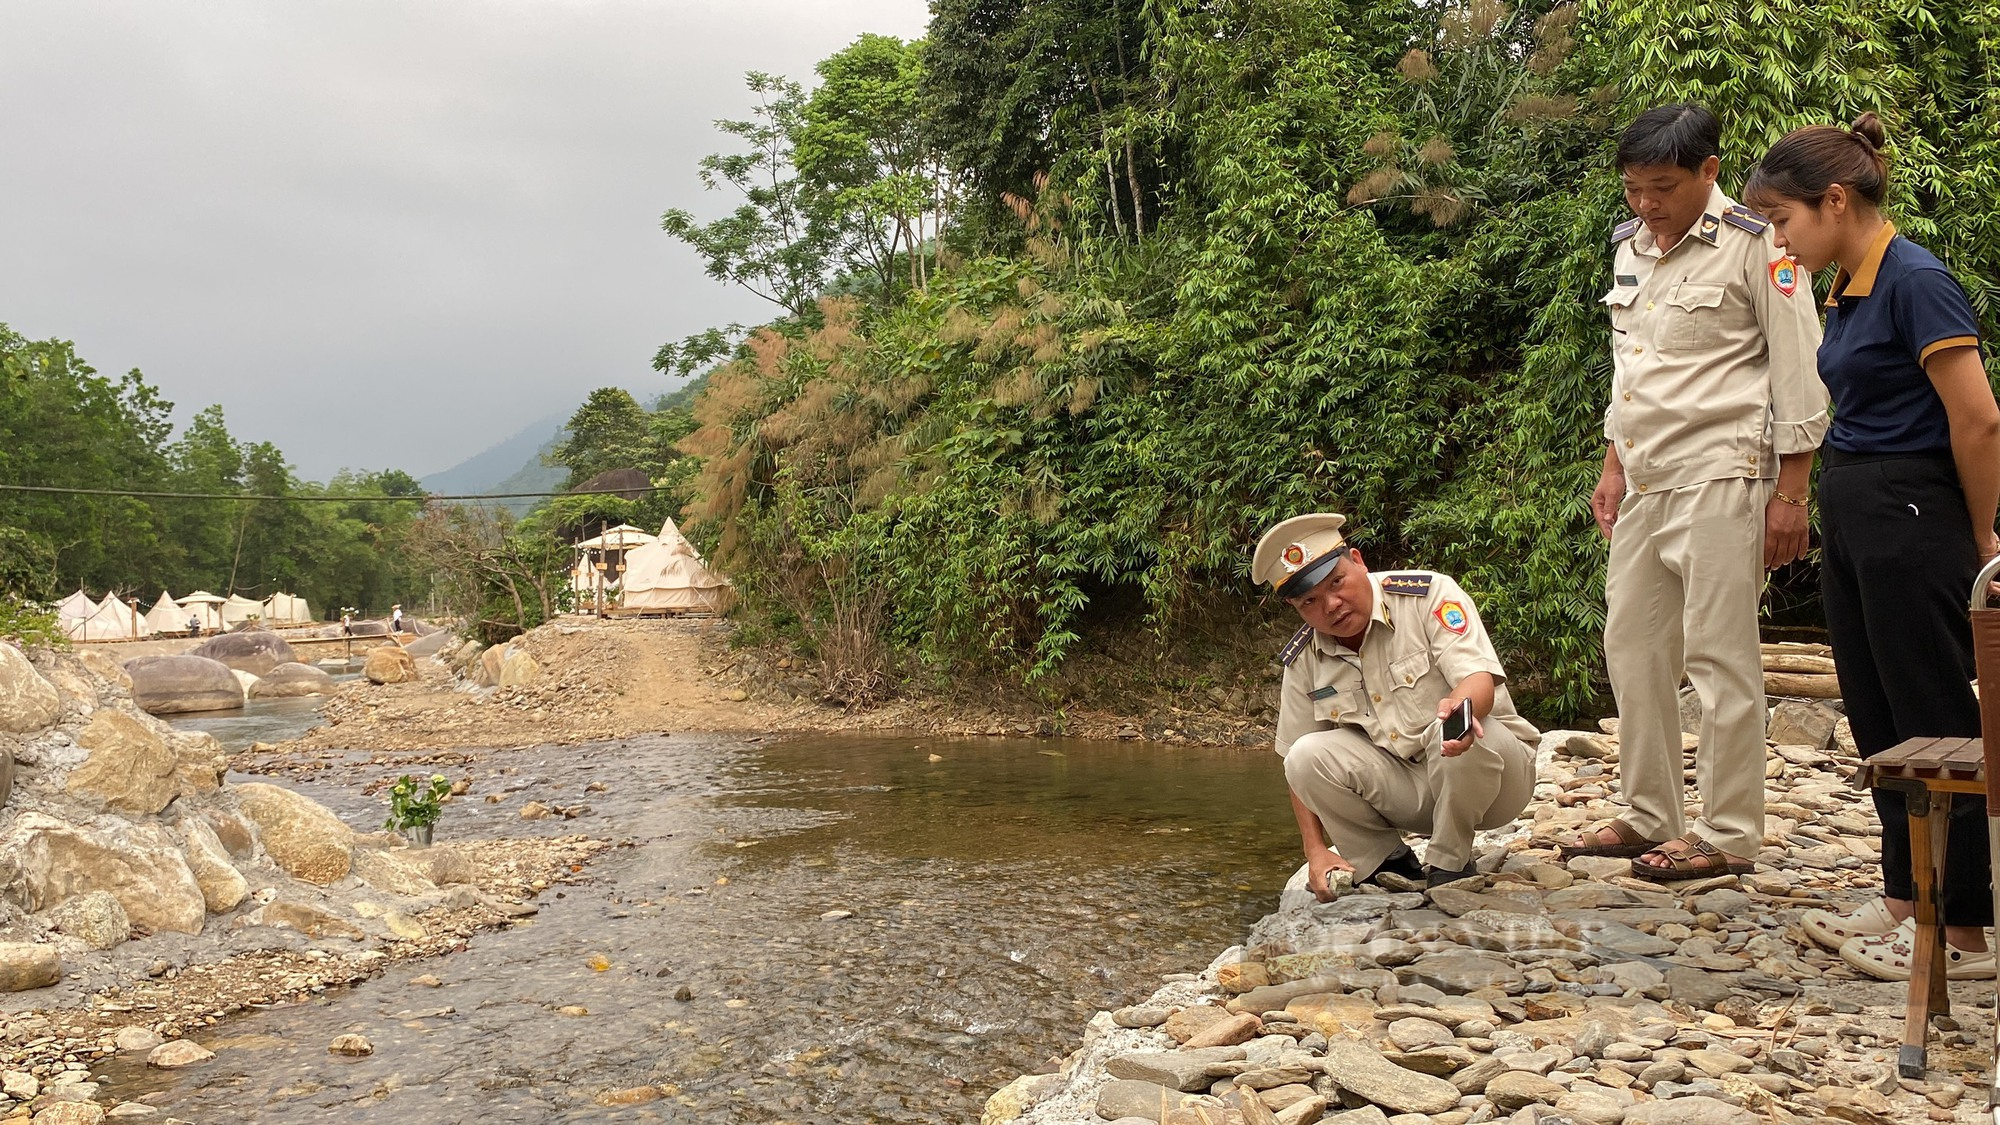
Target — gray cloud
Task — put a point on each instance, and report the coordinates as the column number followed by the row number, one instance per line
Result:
column 380, row 234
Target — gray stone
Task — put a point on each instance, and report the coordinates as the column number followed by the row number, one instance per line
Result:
column 25, row 965
column 1697, row 988
column 1723, row 901
column 1591, row 1108
column 1690, row 711
column 1690, row 1111
column 94, row 917
column 1363, row 1071
column 288, row 681
column 1621, row 938
column 1517, row 1088
column 255, row 651
column 44, row 861
column 302, row 837
column 1130, row 1097
column 1178, row 1070
column 1463, row 972
column 1417, row 1033
column 1473, row 1079
column 1138, row 1016
column 1802, row 724
column 223, row 888
column 28, row 702
column 1457, row 900
column 178, row 1053
column 172, row 685
column 1366, row 1115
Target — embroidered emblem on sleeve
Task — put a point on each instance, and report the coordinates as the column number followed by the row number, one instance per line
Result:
column 1785, row 275
column 1451, row 615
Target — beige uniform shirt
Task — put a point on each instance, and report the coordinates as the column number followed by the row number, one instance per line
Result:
column 1714, row 365
column 1424, row 638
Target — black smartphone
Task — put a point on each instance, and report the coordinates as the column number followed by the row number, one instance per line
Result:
column 1458, row 722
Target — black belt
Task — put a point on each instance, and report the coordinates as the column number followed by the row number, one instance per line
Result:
column 1835, row 458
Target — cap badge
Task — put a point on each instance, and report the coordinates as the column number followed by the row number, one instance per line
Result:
column 1294, row 556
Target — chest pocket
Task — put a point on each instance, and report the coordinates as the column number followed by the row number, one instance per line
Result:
column 1405, row 674
column 1334, row 706
column 1694, row 317
column 1619, row 302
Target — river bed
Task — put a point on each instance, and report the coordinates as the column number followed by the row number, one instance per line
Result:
column 866, row 928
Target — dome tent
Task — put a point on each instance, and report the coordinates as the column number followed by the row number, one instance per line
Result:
column 286, row 609
column 239, row 609
column 668, row 574
column 167, row 616
column 74, row 608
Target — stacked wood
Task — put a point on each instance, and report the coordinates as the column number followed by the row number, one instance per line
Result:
column 1803, row 671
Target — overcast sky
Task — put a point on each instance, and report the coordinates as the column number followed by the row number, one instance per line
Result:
column 379, row 234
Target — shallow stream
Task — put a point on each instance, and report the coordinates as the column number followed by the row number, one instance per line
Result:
column 998, row 896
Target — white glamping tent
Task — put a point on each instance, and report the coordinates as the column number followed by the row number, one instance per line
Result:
column 113, row 621
column 74, row 608
column 167, row 616
column 668, row 575
column 239, row 609
column 285, row 609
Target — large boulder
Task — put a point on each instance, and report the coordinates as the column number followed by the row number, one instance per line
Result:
column 199, row 763
column 44, row 861
column 302, row 837
column 27, row 701
column 24, row 966
column 389, row 665
column 171, row 685
column 222, row 886
column 130, row 768
column 255, row 651
column 97, row 919
column 398, row 873
column 486, row 670
column 288, row 680
column 518, row 669
column 431, row 643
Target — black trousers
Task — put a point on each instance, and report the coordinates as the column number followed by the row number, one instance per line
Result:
column 1897, row 564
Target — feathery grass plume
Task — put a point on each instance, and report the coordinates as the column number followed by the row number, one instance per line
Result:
column 1084, row 393
column 1047, row 254
column 1027, row 287
column 1436, row 151
column 1375, row 185
column 1045, row 505
column 1046, row 342
column 1018, row 387
column 838, row 329
column 1023, row 210
column 768, row 350
column 1089, row 341
column 998, row 333
column 879, row 486
column 1485, row 15
column 960, row 325
column 1382, row 145
column 1531, row 109
column 1417, row 67
column 1606, row 96
column 1051, row 304
column 1441, row 204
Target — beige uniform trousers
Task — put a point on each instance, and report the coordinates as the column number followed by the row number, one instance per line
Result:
column 1367, row 797
column 1681, row 594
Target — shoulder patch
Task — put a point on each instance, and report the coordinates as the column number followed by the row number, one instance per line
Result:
column 1409, row 585
column 1296, row 645
column 1625, row 230
column 1743, row 218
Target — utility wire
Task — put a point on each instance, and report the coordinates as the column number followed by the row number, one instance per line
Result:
column 314, row 499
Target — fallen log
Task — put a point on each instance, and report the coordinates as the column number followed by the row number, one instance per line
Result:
column 1814, row 665
column 1801, row 685
column 1795, row 648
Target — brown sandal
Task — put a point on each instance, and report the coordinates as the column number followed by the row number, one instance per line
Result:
column 1681, row 855
column 1629, row 844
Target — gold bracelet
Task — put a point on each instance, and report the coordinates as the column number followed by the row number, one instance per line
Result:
column 1789, row 500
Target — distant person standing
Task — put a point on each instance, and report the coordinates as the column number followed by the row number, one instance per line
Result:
column 346, row 623
column 396, row 619
column 194, row 625
column 1909, row 482
column 1716, row 409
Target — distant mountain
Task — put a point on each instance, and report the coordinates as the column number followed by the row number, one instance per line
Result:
column 514, row 465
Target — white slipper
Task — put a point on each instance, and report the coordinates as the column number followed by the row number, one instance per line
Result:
column 1888, row 956
column 1835, row 930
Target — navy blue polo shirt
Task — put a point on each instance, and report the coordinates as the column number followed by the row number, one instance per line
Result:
column 1897, row 310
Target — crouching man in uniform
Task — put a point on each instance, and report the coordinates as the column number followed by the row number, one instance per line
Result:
column 1379, row 663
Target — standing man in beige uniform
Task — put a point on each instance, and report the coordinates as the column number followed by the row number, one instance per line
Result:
column 1379, row 663
column 1716, row 409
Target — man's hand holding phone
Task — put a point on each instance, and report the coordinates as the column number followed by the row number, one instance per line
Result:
column 1460, row 727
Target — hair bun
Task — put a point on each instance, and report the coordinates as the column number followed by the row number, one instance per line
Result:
column 1869, row 128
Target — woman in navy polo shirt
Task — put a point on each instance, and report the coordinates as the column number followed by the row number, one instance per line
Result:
column 1910, row 474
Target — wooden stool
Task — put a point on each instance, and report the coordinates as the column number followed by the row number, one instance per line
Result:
column 1927, row 771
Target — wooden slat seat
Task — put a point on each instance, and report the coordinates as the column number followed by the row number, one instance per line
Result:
column 1927, row 771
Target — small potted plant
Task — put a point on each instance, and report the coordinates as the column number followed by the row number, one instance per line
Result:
column 414, row 807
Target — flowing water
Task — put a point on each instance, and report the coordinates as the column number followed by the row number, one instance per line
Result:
column 998, row 896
